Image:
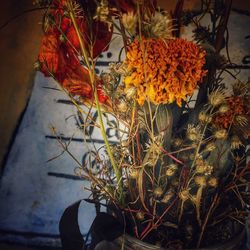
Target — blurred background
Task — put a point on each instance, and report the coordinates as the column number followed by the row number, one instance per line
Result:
column 21, row 34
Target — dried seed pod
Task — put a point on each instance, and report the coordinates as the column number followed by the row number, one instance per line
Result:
column 223, row 108
column 140, row 216
column 184, row 195
column 213, row 182
column 220, row 134
column 204, row 118
column 210, row 147
column 177, row 142
column 134, row 173
column 171, row 169
column 158, row 192
column 200, row 180
column 236, row 142
column 217, row 97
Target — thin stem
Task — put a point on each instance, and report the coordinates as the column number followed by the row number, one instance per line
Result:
column 92, row 80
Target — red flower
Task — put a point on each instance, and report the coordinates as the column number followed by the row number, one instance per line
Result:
column 60, row 58
column 51, row 57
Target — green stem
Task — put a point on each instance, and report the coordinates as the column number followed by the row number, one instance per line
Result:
column 92, row 80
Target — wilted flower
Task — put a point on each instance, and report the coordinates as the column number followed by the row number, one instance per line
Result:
column 217, row 97
column 236, row 114
column 220, row 134
column 235, row 142
column 159, row 26
column 129, row 21
column 103, row 13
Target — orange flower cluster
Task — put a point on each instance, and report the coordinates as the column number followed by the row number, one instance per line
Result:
column 164, row 71
column 236, row 107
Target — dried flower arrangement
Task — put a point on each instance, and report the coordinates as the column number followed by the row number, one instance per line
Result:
column 178, row 174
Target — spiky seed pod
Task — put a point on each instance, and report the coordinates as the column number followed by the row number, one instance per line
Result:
column 158, row 192
column 210, row 147
column 184, row 195
column 204, row 118
column 213, row 182
column 217, row 97
column 159, row 26
column 140, row 216
column 200, row 180
column 240, row 88
column 241, row 120
column 130, row 21
column 223, row 108
column 220, row 134
column 236, row 142
column 177, row 142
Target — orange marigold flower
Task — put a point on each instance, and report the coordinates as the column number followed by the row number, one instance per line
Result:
column 237, row 107
column 164, row 71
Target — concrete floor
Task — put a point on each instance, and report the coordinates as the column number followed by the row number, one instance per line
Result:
column 19, row 46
